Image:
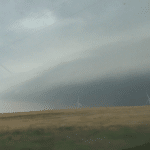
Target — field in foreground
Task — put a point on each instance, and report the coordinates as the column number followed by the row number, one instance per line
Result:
column 111, row 128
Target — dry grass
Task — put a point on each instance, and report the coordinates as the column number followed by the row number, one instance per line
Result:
column 66, row 129
column 85, row 117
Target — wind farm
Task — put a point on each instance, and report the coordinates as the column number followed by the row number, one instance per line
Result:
column 78, row 124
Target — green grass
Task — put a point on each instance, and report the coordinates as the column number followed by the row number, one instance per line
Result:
column 58, row 139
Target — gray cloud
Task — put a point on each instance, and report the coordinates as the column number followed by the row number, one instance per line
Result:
column 51, row 44
column 104, row 62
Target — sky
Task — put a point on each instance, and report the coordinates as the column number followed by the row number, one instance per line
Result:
column 47, row 46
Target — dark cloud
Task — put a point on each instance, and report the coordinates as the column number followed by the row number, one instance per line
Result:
column 112, row 70
column 54, row 46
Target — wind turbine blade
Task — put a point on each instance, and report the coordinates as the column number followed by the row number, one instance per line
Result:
column 5, row 68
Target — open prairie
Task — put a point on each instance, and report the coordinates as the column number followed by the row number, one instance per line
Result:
column 85, row 128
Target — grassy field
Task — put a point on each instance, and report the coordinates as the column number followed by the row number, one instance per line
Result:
column 111, row 128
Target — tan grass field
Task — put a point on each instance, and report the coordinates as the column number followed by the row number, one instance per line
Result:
column 87, row 118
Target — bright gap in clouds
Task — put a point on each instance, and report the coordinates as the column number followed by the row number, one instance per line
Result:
column 35, row 21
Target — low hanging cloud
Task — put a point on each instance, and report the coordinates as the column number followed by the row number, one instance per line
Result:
column 54, row 44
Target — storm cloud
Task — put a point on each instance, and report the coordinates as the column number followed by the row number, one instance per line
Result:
column 47, row 46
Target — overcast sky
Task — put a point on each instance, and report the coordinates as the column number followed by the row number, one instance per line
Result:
column 100, row 37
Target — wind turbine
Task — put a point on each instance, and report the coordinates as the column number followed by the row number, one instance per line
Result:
column 79, row 104
column 148, row 101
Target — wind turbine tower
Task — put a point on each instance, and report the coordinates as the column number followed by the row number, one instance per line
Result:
column 79, row 104
column 148, row 101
